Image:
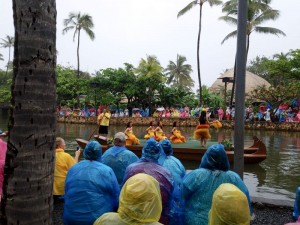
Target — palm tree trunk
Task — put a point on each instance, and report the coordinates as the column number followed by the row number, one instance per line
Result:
column 247, row 44
column 234, row 73
column 198, row 57
column 29, row 166
column 78, row 69
column 233, row 82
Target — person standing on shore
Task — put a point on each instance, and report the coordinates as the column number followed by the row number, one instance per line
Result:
column 63, row 162
column 103, row 122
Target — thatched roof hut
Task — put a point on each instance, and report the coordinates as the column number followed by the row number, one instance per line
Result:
column 252, row 81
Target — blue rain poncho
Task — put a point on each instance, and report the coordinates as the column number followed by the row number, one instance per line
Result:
column 91, row 189
column 296, row 213
column 140, row 203
column 148, row 164
column 118, row 158
column 177, row 170
column 200, row 184
column 171, row 163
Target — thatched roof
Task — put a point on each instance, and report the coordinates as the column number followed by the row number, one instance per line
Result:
column 252, row 81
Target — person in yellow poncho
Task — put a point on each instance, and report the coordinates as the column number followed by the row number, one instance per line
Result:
column 103, row 122
column 150, row 131
column 159, row 133
column 63, row 162
column 140, row 203
column 131, row 138
column 176, row 136
column 229, row 206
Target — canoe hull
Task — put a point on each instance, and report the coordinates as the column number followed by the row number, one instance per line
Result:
column 252, row 155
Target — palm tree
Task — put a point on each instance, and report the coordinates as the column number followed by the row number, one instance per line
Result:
column 29, row 167
column 1, row 57
column 79, row 22
column 281, row 56
column 149, row 72
column 8, row 42
column 179, row 73
column 182, row 12
column 259, row 11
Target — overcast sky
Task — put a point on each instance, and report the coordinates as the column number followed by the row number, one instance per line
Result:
column 128, row 30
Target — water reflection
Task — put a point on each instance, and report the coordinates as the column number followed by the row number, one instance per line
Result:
column 276, row 177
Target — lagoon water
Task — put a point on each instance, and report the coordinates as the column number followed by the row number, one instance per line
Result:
column 277, row 177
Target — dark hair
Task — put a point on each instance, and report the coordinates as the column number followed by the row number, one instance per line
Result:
column 151, row 123
column 202, row 118
column 128, row 124
column 158, row 124
column 175, row 124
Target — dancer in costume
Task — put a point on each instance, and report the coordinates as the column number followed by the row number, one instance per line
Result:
column 202, row 130
column 176, row 136
column 131, row 138
column 159, row 133
column 150, row 131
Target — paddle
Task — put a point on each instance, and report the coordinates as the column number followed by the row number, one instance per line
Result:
column 93, row 132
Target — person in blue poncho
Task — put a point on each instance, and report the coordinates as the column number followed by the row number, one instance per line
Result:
column 177, row 170
column 118, row 157
column 200, row 184
column 296, row 212
column 173, row 164
column 91, row 188
column 148, row 164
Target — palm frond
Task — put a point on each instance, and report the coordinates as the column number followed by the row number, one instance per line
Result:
column 89, row 32
column 230, row 35
column 267, row 15
column 66, row 29
column 187, row 8
column 269, row 30
column 229, row 19
column 214, row 2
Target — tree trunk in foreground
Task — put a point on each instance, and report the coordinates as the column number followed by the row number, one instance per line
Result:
column 27, row 189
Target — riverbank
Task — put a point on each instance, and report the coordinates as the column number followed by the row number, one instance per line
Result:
column 190, row 122
column 264, row 214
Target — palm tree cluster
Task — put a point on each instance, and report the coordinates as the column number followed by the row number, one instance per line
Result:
column 7, row 42
column 259, row 12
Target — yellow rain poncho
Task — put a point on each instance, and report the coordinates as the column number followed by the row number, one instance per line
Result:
column 140, row 203
column 229, row 206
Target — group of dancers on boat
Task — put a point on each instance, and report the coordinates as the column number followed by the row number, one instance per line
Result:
column 201, row 132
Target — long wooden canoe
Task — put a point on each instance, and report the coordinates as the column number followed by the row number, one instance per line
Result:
column 191, row 151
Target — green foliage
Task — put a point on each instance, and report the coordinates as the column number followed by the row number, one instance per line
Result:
column 282, row 69
column 178, row 73
column 69, row 86
column 5, row 86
